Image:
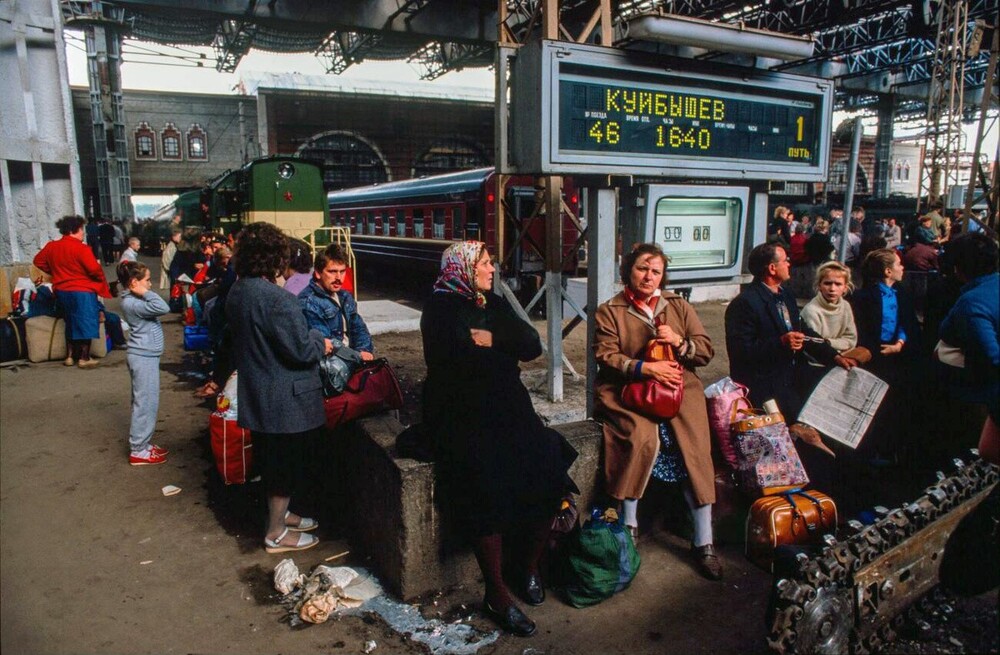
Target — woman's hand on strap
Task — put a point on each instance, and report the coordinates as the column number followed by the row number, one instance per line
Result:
column 669, row 374
column 666, row 334
column 482, row 338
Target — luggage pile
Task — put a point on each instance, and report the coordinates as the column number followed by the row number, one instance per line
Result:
column 757, row 449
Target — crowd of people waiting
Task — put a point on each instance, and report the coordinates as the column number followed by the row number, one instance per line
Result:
column 501, row 472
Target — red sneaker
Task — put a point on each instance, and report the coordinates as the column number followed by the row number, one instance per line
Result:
column 150, row 459
column 156, row 450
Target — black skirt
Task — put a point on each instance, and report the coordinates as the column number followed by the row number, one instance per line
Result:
column 280, row 459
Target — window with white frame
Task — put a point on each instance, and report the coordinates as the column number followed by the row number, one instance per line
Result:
column 170, row 139
column 197, row 142
column 145, row 141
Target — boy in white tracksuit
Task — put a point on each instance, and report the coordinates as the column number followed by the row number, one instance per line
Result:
column 141, row 308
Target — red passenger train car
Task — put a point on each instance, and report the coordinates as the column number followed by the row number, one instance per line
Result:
column 413, row 221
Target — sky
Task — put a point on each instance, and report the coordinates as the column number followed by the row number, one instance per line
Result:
column 174, row 69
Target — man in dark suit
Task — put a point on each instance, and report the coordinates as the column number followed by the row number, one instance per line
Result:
column 765, row 336
column 765, row 339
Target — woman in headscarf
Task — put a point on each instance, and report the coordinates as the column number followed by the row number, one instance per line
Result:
column 500, row 470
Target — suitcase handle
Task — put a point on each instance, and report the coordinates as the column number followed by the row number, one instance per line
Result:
column 795, row 510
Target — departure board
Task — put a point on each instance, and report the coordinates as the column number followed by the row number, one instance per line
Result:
column 681, row 120
column 583, row 109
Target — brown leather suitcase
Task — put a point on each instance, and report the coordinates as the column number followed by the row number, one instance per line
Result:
column 789, row 518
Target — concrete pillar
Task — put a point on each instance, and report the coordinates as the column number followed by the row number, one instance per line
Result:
column 39, row 167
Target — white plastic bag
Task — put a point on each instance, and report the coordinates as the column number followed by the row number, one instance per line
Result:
column 725, row 385
column 225, row 404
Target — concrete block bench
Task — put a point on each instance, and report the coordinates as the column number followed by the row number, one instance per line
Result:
column 394, row 519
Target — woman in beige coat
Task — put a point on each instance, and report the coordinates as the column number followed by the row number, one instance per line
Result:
column 632, row 441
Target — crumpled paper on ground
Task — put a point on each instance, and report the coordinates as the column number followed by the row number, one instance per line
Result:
column 287, row 576
column 326, row 590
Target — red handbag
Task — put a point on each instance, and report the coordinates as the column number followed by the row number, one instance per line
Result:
column 649, row 397
column 371, row 389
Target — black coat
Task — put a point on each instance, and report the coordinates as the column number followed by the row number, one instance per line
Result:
column 758, row 359
column 278, row 389
column 498, row 465
column 867, row 306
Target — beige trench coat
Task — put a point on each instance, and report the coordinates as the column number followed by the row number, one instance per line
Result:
column 631, row 441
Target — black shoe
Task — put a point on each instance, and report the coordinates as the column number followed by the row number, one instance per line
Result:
column 708, row 562
column 512, row 619
column 534, row 591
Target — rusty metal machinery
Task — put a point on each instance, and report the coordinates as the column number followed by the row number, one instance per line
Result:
column 851, row 596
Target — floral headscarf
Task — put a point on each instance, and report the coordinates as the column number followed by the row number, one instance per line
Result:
column 458, row 271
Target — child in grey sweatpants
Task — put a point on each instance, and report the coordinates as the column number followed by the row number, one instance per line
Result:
column 141, row 308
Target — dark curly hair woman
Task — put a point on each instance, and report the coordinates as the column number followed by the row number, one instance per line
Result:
column 279, row 390
column 77, row 279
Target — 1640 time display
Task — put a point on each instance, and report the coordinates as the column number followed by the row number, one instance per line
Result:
column 685, row 121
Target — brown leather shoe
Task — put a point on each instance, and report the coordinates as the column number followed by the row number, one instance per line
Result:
column 707, row 561
column 88, row 363
column 809, row 435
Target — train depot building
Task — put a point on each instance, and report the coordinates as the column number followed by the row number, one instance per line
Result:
column 365, row 132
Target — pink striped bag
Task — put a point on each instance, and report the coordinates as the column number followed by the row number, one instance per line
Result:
column 727, row 400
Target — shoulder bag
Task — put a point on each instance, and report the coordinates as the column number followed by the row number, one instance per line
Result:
column 649, row 397
column 371, row 389
column 767, row 456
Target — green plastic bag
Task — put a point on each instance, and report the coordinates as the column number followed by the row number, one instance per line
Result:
column 602, row 560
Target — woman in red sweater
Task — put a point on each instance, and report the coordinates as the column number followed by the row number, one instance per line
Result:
column 77, row 279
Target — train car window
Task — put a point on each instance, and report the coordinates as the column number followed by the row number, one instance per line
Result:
column 438, row 224
column 472, row 224
column 698, row 232
column 371, row 223
column 418, row 223
column 399, row 223
column 456, row 223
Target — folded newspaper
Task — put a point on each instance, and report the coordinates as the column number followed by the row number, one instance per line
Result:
column 843, row 403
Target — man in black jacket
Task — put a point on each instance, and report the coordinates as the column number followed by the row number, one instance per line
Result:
column 765, row 336
column 765, row 339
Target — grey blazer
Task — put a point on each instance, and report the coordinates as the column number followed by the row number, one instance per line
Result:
column 278, row 389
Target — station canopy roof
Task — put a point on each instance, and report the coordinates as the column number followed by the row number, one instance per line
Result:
column 869, row 46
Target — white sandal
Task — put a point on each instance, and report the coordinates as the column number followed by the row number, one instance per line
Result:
column 305, row 541
column 305, row 524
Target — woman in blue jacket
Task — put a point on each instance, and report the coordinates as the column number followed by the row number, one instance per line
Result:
column 973, row 324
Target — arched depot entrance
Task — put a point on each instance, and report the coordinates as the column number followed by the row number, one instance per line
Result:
column 350, row 159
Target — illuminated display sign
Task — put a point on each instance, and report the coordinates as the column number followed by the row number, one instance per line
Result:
column 587, row 109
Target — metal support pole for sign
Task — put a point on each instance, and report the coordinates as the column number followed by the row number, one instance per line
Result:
column 852, row 177
column 553, row 286
column 601, row 213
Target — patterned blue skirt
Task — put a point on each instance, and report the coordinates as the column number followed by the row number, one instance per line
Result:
column 669, row 466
